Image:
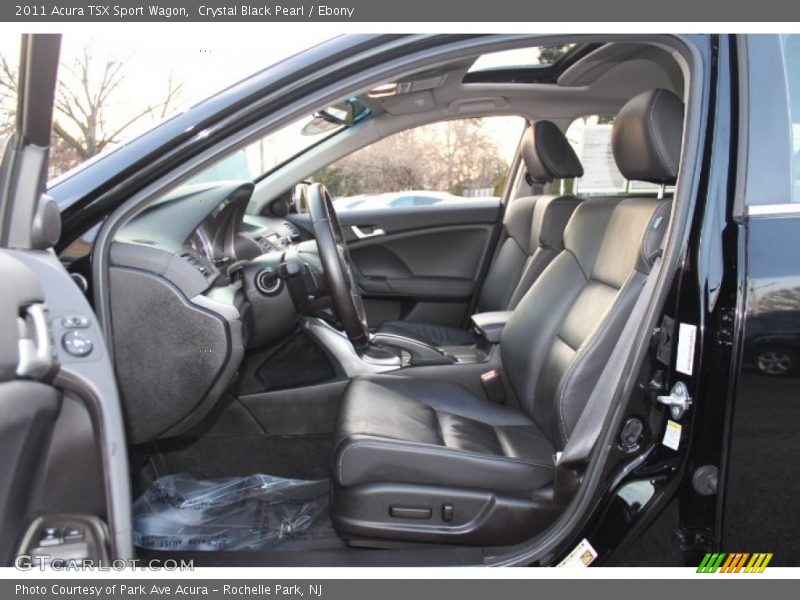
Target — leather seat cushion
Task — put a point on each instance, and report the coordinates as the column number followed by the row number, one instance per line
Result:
column 435, row 335
column 397, row 429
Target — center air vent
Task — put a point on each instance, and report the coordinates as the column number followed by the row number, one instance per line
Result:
column 294, row 232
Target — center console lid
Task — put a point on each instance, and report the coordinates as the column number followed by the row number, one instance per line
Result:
column 490, row 324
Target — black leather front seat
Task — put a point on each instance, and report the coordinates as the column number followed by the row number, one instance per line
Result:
column 533, row 233
column 426, row 460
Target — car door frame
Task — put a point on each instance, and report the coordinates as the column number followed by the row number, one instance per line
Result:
column 28, row 227
column 25, row 157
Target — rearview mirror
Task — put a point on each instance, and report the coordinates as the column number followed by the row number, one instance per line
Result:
column 344, row 114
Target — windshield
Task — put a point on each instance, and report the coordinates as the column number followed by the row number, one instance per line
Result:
column 260, row 158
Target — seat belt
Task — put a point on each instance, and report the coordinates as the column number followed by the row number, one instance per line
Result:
column 590, row 423
column 494, row 246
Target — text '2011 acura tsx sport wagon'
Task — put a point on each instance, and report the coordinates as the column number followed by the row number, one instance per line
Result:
column 414, row 300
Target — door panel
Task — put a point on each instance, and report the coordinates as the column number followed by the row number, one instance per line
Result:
column 413, row 218
column 420, row 263
column 27, row 415
column 63, row 465
column 27, row 408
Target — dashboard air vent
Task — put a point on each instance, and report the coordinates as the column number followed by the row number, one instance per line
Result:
column 196, row 261
column 294, row 232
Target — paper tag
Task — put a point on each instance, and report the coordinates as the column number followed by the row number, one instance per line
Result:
column 581, row 556
column 672, row 435
column 686, row 341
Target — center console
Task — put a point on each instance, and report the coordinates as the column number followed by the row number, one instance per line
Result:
column 389, row 352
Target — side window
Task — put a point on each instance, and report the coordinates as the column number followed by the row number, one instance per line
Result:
column 790, row 47
column 450, row 161
column 771, row 122
column 590, row 135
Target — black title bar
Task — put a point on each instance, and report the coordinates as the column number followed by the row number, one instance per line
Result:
column 441, row 11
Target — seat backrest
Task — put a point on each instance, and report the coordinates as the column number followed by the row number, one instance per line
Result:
column 558, row 339
column 533, row 226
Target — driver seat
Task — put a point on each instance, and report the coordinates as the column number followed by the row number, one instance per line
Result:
column 425, row 460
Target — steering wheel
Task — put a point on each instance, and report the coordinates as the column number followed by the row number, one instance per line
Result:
column 336, row 265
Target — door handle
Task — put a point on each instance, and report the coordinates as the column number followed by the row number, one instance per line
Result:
column 364, row 232
column 35, row 352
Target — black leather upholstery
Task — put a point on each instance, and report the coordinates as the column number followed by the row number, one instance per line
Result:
column 429, row 333
column 548, row 154
column 647, row 137
column 556, row 342
column 416, row 432
column 533, row 236
column 434, row 432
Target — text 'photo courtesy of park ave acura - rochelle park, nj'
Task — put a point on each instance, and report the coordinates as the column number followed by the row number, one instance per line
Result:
column 374, row 292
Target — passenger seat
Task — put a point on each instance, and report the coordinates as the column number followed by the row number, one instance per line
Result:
column 533, row 235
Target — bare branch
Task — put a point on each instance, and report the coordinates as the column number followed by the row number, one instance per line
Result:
column 73, row 143
column 88, row 87
column 113, row 137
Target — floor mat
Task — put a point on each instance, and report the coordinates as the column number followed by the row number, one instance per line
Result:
column 259, row 512
column 293, row 457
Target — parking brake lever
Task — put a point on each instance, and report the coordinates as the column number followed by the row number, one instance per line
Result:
column 421, row 353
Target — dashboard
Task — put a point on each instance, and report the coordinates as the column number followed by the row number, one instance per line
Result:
column 207, row 225
column 197, row 265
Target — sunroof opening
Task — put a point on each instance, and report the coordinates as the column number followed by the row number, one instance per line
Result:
column 521, row 58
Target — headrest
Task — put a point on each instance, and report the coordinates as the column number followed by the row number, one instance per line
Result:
column 646, row 138
column 548, row 155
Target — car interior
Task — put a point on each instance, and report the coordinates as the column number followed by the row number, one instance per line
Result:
column 365, row 381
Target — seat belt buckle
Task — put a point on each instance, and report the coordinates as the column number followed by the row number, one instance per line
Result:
column 492, row 384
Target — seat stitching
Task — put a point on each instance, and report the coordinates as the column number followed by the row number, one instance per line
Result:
column 588, row 344
column 577, row 260
column 594, row 278
column 647, row 233
column 656, row 135
column 438, row 426
column 565, row 342
column 437, row 450
column 530, row 263
column 498, row 442
column 516, row 291
column 433, row 450
column 643, row 241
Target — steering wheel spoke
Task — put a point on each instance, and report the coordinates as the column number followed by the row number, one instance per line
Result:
column 337, row 266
